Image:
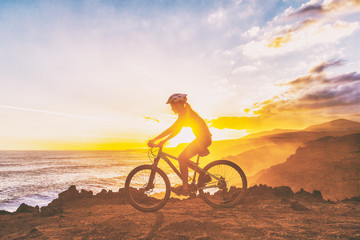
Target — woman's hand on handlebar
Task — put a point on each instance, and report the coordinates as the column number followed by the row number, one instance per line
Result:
column 151, row 143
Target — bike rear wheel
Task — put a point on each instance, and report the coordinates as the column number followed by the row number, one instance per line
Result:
column 228, row 189
column 145, row 197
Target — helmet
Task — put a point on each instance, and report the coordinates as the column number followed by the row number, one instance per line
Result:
column 177, row 97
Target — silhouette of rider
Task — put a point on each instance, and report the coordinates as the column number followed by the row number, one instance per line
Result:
column 187, row 117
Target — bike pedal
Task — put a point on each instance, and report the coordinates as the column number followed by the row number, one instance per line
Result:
column 177, row 190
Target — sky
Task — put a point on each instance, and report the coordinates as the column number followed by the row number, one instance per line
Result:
column 97, row 74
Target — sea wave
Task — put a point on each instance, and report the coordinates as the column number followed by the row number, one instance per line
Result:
column 36, row 177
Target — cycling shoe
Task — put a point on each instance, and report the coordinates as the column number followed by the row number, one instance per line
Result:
column 179, row 191
column 207, row 178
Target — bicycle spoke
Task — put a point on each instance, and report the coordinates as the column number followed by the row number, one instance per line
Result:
column 228, row 189
column 147, row 196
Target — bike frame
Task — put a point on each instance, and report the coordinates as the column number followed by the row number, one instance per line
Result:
column 166, row 156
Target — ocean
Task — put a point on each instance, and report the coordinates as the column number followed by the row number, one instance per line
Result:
column 37, row 177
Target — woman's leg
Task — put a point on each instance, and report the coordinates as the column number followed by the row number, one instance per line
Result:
column 190, row 151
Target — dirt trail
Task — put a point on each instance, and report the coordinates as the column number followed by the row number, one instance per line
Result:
column 190, row 219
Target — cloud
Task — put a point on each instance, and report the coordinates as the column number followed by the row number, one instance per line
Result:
column 314, row 94
column 315, row 76
column 320, row 68
column 152, row 119
column 309, row 26
column 279, row 41
column 328, row 94
column 217, row 18
column 249, row 123
column 252, row 32
column 309, row 9
column 327, row 7
column 276, row 43
column 317, row 91
column 349, row 77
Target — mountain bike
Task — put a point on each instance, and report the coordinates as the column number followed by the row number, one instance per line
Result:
column 221, row 183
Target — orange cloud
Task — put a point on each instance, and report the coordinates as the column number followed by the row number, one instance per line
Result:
column 249, row 123
column 152, row 119
column 279, row 41
column 261, row 122
column 311, row 98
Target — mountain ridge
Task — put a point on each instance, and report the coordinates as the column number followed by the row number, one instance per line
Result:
column 329, row 164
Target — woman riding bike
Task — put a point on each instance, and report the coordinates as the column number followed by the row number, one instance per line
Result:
column 187, row 117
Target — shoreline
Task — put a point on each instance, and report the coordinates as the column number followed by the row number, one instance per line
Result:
column 72, row 195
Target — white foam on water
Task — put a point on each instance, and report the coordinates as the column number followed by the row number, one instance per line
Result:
column 37, row 177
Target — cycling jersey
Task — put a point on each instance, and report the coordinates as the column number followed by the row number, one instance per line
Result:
column 191, row 119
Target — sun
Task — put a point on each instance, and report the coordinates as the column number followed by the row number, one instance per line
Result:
column 185, row 136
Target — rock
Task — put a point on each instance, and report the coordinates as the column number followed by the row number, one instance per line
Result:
column 70, row 194
column 34, row 230
column 24, row 208
column 122, row 192
column 303, row 194
column 51, row 211
column 122, row 196
column 3, row 212
column 353, row 199
column 34, row 233
column 86, row 194
column 111, row 195
column 101, row 194
column 317, row 195
column 298, row 206
column 53, row 208
column 261, row 191
column 284, row 192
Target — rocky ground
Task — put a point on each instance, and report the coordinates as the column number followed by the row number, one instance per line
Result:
column 266, row 213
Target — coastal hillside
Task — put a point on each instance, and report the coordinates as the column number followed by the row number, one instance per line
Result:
column 259, row 151
column 336, row 125
column 329, row 164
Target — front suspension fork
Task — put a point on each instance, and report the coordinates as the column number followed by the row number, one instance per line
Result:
column 150, row 184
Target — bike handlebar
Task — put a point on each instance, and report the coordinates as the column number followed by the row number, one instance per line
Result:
column 154, row 145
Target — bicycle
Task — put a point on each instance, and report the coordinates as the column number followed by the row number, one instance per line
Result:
column 148, row 187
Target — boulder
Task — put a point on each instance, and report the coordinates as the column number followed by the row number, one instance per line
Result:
column 86, row 194
column 3, row 212
column 24, row 208
column 34, row 233
column 101, row 194
column 353, row 199
column 70, row 194
column 55, row 207
column 284, row 192
column 122, row 195
column 261, row 191
column 317, row 195
column 303, row 194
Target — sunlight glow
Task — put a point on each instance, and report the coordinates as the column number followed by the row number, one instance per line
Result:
column 185, row 136
column 97, row 74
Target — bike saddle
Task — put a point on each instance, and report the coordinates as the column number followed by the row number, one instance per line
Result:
column 204, row 152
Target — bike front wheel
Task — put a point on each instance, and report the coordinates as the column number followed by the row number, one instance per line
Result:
column 146, row 196
column 227, row 186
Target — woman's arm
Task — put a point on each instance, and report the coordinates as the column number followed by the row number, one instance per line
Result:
column 170, row 132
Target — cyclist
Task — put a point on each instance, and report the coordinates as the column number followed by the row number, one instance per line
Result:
column 187, row 117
